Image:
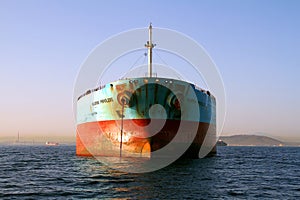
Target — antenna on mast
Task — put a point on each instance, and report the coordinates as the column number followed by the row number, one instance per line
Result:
column 150, row 46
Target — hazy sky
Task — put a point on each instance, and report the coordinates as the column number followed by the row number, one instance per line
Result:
column 255, row 44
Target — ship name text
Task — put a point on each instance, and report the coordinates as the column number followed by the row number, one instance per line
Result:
column 106, row 100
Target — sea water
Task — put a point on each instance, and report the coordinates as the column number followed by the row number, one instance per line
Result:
column 44, row 172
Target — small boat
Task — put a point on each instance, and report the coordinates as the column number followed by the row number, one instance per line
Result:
column 52, row 144
column 221, row 143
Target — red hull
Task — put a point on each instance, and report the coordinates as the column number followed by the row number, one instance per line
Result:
column 103, row 138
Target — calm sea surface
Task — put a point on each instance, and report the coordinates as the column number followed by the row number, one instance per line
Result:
column 41, row 172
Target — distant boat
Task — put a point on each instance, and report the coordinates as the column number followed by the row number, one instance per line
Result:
column 221, row 143
column 52, row 144
column 18, row 140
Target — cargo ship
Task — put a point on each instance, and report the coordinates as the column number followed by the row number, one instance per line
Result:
column 118, row 120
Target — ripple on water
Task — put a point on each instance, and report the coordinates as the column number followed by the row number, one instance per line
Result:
column 39, row 172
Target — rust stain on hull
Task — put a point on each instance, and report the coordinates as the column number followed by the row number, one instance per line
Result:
column 100, row 113
column 97, row 139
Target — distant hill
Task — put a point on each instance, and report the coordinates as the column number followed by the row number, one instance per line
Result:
column 250, row 140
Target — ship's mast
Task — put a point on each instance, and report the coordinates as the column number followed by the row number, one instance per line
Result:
column 150, row 46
